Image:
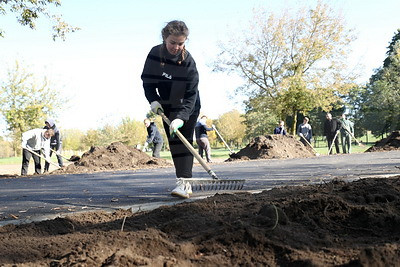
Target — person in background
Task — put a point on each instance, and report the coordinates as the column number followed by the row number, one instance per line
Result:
column 305, row 131
column 202, row 137
column 34, row 141
column 346, row 132
column 153, row 136
column 170, row 82
column 331, row 130
column 55, row 143
column 280, row 129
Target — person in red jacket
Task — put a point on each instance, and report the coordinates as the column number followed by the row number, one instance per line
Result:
column 170, row 82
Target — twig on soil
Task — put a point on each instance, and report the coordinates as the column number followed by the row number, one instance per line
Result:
column 277, row 217
column 123, row 223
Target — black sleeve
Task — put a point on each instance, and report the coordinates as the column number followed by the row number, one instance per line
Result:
column 151, row 134
column 191, row 91
column 150, row 78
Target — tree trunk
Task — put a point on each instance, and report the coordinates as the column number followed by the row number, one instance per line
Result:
column 294, row 123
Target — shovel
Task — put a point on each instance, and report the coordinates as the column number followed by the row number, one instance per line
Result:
column 220, row 136
column 333, row 142
column 59, row 154
column 352, row 135
column 316, row 153
column 33, row 152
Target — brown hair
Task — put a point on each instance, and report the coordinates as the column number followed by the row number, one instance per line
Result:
column 174, row 27
column 50, row 132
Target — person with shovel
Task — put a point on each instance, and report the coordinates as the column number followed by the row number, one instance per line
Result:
column 202, row 137
column 346, row 132
column 153, row 136
column 33, row 141
column 331, row 131
column 170, row 82
column 55, row 143
column 305, row 132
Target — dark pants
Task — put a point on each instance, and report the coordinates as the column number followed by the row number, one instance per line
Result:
column 157, row 149
column 182, row 157
column 59, row 158
column 204, row 146
column 303, row 140
column 330, row 140
column 26, row 156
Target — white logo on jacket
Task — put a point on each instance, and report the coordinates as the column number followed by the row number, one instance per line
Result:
column 166, row 75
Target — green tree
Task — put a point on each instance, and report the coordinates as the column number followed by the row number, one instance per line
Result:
column 291, row 63
column 230, row 125
column 379, row 102
column 72, row 139
column 26, row 103
column 91, row 138
column 132, row 132
column 5, row 148
column 28, row 11
column 259, row 119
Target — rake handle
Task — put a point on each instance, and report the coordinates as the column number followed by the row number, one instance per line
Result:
column 302, row 136
column 59, row 154
column 333, row 142
column 215, row 129
column 33, row 152
column 352, row 135
column 190, row 147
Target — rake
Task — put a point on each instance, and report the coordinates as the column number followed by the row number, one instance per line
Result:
column 205, row 184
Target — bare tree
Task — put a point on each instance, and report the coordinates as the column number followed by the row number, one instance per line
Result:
column 293, row 62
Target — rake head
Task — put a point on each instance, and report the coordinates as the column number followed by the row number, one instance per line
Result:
column 205, row 184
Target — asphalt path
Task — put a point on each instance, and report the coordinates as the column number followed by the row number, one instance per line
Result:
column 42, row 197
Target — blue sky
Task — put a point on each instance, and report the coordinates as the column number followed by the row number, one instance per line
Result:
column 99, row 67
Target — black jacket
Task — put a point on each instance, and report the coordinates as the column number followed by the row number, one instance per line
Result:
column 55, row 140
column 174, row 85
column 331, row 126
column 201, row 130
column 153, row 135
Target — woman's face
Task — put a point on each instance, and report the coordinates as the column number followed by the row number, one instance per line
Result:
column 175, row 44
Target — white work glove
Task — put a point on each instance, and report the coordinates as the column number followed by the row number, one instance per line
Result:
column 213, row 126
column 145, row 146
column 174, row 126
column 301, row 135
column 156, row 106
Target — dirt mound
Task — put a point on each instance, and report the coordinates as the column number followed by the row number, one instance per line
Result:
column 116, row 156
column 273, row 146
column 392, row 142
column 332, row 224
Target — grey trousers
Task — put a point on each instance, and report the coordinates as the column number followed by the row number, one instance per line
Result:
column 204, row 146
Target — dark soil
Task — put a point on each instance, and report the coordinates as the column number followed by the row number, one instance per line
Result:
column 334, row 224
column 114, row 157
column 392, row 142
column 273, row 146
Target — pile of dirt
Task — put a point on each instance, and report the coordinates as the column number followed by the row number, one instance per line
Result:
column 332, row 224
column 392, row 142
column 273, row 146
column 114, row 157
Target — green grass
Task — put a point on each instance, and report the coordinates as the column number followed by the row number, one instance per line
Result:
column 323, row 150
column 18, row 160
column 12, row 160
column 215, row 153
